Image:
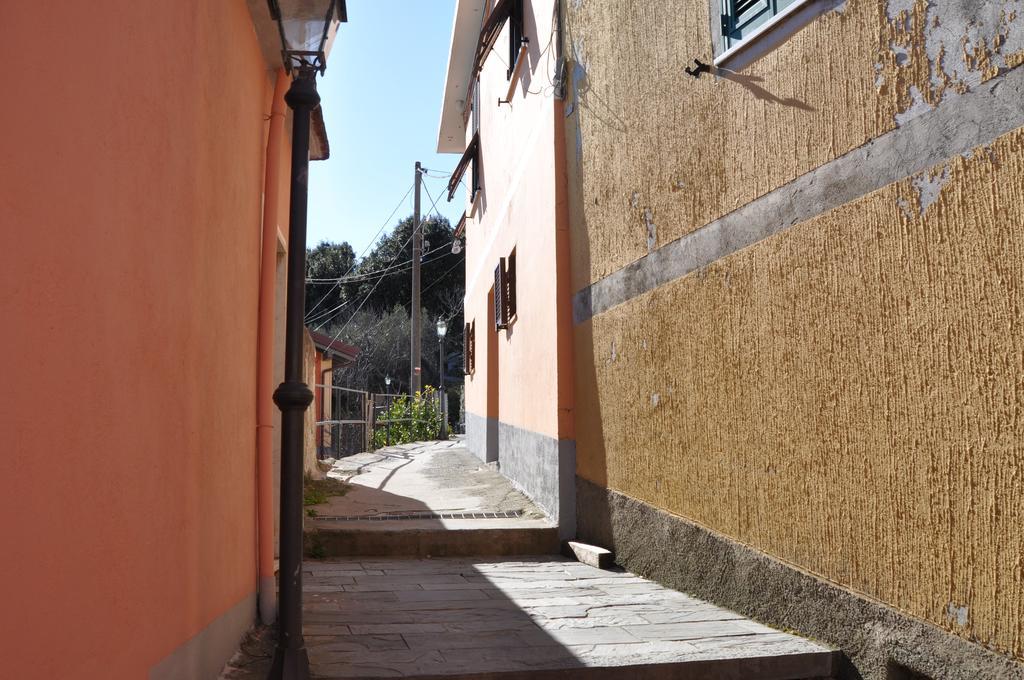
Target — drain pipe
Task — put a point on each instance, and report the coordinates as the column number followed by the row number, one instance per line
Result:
column 265, row 357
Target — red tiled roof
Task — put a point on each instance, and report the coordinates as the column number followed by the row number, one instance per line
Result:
column 329, row 345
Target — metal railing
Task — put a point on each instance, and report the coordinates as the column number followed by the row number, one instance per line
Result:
column 348, row 419
column 343, row 421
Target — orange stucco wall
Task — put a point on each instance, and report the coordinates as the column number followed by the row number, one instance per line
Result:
column 130, row 185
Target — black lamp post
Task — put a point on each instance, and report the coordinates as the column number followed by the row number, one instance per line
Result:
column 305, row 26
column 442, row 330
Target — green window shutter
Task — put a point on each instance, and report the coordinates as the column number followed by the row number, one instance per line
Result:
column 740, row 18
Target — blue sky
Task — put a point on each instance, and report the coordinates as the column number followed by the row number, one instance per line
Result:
column 381, row 98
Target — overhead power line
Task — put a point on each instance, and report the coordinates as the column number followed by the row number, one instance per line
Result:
column 370, row 293
column 367, row 248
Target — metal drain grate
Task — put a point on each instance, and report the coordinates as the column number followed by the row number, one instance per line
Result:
column 510, row 514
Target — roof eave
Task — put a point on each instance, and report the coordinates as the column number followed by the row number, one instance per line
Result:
column 451, row 135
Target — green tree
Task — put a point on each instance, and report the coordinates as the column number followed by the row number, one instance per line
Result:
column 370, row 309
column 387, row 269
column 324, row 264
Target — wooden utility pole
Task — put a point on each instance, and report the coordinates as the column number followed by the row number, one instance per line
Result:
column 415, row 373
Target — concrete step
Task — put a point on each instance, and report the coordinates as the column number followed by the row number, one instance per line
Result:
column 424, row 538
column 792, row 667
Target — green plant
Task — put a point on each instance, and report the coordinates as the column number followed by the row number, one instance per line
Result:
column 317, row 491
column 317, row 550
column 409, row 420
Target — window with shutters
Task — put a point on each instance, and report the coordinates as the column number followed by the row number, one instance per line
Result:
column 749, row 29
column 470, row 158
column 504, row 11
column 740, row 18
column 505, row 292
column 517, row 42
column 500, row 318
column 469, row 348
column 510, row 288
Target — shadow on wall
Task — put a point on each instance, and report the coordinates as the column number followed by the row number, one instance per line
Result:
column 591, row 461
column 752, row 85
column 491, row 452
column 538, row 47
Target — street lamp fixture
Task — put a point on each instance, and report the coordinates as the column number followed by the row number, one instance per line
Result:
column 442, row 328
column 306, row 28
column 387, row 382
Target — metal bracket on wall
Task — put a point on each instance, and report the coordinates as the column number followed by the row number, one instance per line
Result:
column 701, row 67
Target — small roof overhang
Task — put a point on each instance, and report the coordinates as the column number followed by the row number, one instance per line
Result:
column 319, row 148
column 469, row 14
column 336, row 349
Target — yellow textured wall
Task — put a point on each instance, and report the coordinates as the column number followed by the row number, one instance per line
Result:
column 846, row 395
column 656, row 146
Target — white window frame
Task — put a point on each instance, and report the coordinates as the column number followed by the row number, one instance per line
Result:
column 767, row 36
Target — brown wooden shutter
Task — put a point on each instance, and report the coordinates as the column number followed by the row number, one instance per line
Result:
column 500, row 319
column 472, row 347
column 510, row 288
column 466, row 370
column 468, row 156
column 490, row 31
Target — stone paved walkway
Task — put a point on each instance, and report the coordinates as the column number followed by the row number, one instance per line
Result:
column 531, row 617
column 441, row 479
column 426, row 499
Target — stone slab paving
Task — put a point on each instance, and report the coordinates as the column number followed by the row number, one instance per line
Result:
column 426, row 499
column 467, row 616
column 424, row 477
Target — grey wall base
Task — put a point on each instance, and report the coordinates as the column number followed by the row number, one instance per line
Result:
column 482, row 437
column 542, row 467
column 690, row 558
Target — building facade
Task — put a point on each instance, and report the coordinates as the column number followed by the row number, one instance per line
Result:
column 143, row 205
column 502, row 112
column 795, row 270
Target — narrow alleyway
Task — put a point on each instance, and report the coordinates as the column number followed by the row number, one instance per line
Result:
column 405, row 612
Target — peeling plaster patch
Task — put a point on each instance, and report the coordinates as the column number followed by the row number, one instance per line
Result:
column 634, row 200
column 613, row 355
column 897, row 7
column 941, row 48
column 928, row 185
column 958, row 615
column 678, row 185
column 917, row 107
column 652, row 230
column 655, row 399
column 902, row 57
column 904, row 206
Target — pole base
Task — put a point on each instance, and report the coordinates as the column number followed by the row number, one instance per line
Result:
column 289, row 664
